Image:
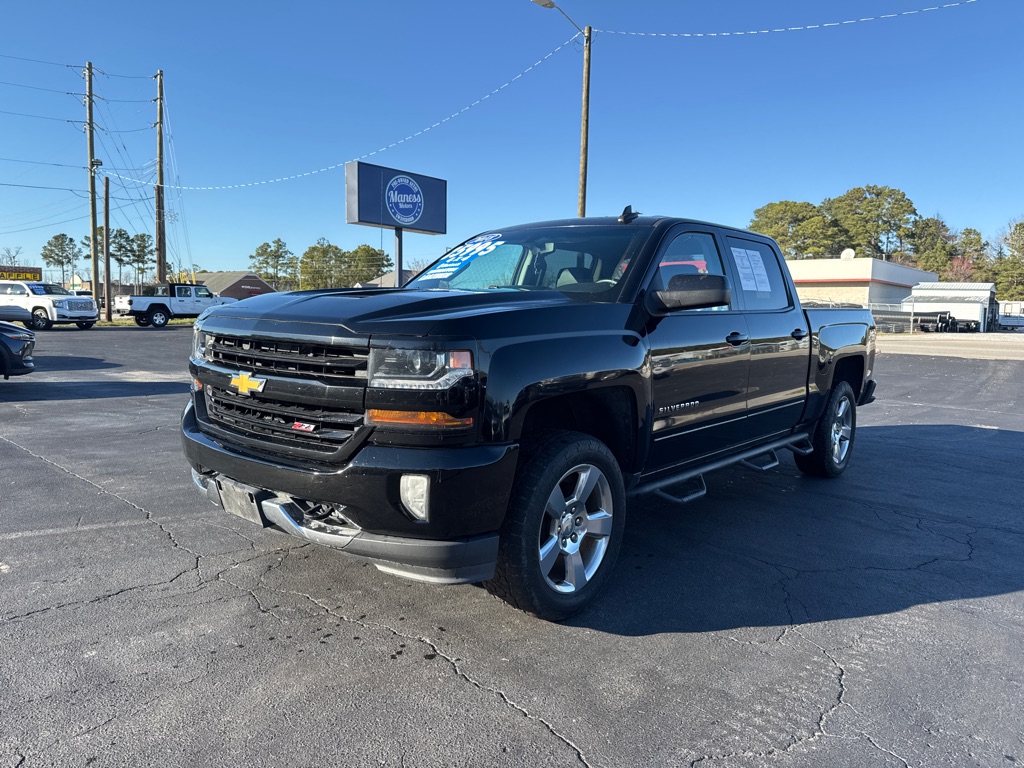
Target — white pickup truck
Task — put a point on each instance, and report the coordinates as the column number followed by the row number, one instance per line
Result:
column 49, row 304
column 170, row 301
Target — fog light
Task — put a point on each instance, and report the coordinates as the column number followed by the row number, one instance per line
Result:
column 414, row 490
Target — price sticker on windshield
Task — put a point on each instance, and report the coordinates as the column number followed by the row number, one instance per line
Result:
column 457, row 258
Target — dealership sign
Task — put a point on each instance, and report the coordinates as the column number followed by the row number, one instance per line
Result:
column 386, row 197
column 21, row 273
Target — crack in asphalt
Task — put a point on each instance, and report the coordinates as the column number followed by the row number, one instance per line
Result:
column 820, row 729
column 450, row 660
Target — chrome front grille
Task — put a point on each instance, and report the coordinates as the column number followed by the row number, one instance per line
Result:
column 80, row 306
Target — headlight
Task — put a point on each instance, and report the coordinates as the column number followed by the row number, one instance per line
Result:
column 60, row 304
column 418, row 368
column 199, row 340
column 18, row 335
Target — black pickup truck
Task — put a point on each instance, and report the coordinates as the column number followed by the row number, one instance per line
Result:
column 488, row 421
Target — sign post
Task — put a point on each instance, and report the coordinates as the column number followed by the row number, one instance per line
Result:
column 386, row 197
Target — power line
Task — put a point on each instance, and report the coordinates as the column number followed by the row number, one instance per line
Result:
column 127, row 77
column 130, row 130
column 55, row 223
column 40, row 117
column 61, row 189
column 787, row 29
column 38, row 61
column 382, row 149
column 39, row 162
column 40, row 88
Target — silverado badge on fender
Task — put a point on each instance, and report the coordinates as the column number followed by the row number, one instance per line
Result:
column 246, row 384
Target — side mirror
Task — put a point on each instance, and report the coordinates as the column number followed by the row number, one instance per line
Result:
column 689, row 292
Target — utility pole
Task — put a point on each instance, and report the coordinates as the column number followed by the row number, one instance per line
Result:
column 585, row 122
column 106, row 250
column 93, row 164
column 161, row 239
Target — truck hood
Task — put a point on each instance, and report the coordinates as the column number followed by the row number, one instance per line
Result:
column 385, row 311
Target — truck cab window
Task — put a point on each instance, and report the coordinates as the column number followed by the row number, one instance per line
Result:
column 760, row 275
column 690, row 253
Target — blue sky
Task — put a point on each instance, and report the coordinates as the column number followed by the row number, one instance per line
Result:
column 708, row 127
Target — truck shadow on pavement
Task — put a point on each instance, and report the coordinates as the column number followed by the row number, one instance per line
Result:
column 924, row 514
column 46, row 364
column 25, row 390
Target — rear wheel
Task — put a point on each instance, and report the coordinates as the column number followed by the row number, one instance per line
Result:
column 564, row 526
column 40, row 320
column 833, row 435
column 158, row 317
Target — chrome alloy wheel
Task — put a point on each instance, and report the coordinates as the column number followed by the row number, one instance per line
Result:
column 575, row 527
column 842, row 430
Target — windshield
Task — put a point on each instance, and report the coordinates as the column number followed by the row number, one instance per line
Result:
column 48, row 289
column 586, row 261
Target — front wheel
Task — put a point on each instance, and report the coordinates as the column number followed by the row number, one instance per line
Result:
column 158, row 318
column 142, row 321
column 40, row 321
column 85, row 326
column 833, row 435
column 564, row 526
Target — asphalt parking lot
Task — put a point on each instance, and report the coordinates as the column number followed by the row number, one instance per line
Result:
column 875, row 620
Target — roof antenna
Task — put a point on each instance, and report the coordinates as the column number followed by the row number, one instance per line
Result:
column 628, row 214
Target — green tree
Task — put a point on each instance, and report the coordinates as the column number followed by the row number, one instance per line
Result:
column 121, row 250
column 141, row 253
column 801, row 229
column 932, row 240
column 1009, row 277
column 276, row 264
column 363, row 264
column 969, row 251
column 878, row 219
column 321, row 265
column 87, row 243
column 61, row 251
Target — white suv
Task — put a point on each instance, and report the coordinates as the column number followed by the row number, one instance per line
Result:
column 49, row 304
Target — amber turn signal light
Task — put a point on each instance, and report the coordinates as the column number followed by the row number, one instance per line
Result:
column 417, row 418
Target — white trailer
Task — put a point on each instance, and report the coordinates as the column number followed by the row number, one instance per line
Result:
column 1011, row 314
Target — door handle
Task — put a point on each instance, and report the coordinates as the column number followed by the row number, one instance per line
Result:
column 799, row 334
column 736, row 338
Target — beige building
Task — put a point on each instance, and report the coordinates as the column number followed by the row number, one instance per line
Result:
column 855, row 281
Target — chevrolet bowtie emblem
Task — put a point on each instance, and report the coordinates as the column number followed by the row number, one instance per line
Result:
column 247, row 385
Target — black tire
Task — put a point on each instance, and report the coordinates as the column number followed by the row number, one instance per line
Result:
column 552, row 539
column 158, row 317
column 142, row 321
column 40, row 321
column 833, row 435
column 85, row 326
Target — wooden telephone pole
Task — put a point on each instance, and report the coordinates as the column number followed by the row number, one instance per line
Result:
column 161, row 238
column 93, row 164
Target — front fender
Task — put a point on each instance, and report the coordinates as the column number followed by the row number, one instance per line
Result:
column 523, row 374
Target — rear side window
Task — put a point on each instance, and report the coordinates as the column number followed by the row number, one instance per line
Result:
column 760, row 275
